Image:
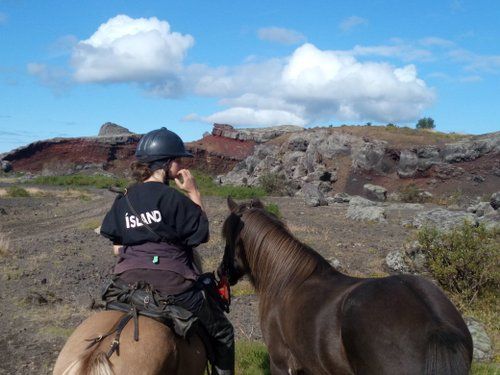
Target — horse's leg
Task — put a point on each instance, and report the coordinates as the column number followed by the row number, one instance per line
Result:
column 192, row 356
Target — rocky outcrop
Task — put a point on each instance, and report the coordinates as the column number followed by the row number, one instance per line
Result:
column 495, row 200
column 110, row 129
column 258, row 135
column 375, row 192
column 443, row 219
column 483, row 350
column 113, row 150
column 336, row 160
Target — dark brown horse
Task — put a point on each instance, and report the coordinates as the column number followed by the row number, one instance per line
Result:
column 316, row 320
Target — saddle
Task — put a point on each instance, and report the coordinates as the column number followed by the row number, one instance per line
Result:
column 141, row 298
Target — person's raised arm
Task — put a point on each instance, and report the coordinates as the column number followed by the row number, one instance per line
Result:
column 186, row 182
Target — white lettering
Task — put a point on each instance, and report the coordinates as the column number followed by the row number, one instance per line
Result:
column 150, row 217
column 157, row 216
column 143, row 218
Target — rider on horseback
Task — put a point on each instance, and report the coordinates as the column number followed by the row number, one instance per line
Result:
column 154, row 229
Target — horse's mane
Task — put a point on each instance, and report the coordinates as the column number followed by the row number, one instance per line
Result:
column 278, row 261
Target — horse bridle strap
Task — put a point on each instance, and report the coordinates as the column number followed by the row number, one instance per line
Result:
column 115, row 344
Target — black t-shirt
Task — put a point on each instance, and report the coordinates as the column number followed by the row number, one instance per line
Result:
column 172, row 216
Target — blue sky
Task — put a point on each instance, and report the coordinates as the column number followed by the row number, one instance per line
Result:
column 67, row 67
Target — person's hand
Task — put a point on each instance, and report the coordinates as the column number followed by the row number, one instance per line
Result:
column 185, row 181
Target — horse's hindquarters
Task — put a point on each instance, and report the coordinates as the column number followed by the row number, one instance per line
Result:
column 158, row 351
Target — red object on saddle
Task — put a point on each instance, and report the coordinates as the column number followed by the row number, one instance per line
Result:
column 224, row 290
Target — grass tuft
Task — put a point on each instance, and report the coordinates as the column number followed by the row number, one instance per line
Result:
column 252, row 358
column 17, row 192
column 207, row 186
column 98, row 181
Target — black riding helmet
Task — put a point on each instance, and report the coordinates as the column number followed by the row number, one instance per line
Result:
column 160, row 144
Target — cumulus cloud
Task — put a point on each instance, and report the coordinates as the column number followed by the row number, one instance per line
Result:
column 125, row 49
column 351, row 22
column 280, row 35
column 311, row 85
column 317, row 85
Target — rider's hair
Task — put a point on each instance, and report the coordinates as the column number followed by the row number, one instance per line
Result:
column 140, row 171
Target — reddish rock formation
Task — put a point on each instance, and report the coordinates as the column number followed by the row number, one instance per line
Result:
column 213, row 154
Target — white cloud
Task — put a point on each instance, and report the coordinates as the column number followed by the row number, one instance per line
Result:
column 126, row 49
column 315, row 85
column 351, row 22
column 57, row 79
column 476, row 62
column 433, row 41
column 250, row 117
column 3, row 18
column 280, row 35
column 405, row 52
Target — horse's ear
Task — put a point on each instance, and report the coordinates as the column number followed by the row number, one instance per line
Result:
column 256, row 203
column 231, row 204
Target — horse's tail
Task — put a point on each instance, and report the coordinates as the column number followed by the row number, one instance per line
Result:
column 90, row 364
column 448, row 352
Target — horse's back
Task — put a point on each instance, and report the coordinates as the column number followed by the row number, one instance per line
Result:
column 158, row 350
column 390, row 324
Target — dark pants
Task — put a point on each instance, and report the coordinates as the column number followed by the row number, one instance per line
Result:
column 215, row 322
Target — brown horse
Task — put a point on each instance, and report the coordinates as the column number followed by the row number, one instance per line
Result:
column 158, row 350
column 316, row 320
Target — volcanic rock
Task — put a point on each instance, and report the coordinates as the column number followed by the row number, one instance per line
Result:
column 110, row 129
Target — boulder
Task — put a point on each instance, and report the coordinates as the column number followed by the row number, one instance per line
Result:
column 375, row 192
column 365, row 209
column 395, row 260
column 482, row 343
column 443, row 219
column 369, row 157
column 366, row 213
column 408, row 162
column 312, row 195
column 495, row 200
column 481, row 209
column 5, row 166
column 362, row 202
column 340, row 198
column 110, row 129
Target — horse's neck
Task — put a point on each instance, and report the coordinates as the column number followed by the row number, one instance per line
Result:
column 283, row 262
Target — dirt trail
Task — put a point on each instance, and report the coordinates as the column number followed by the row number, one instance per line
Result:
column 56, row 264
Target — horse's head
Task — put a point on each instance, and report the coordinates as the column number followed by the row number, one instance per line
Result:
column 234, row 264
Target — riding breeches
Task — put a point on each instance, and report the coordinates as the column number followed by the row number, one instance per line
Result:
column 217, row 325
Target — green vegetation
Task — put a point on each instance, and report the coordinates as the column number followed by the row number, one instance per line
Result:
column 485, row 369
column 425, row 123
column 16, row 191
column 465, row 261
column 207, row 186
column 274, row 209
column 98, row 181
column 272, row 183
column 251, row 358
column 412, row 194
